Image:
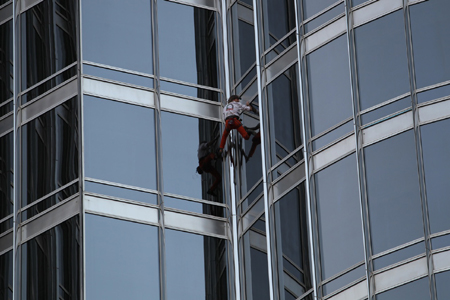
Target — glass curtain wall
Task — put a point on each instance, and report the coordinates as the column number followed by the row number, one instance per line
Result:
column 153, row 184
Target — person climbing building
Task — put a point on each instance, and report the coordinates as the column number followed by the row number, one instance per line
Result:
column 231, row 113
column 205, row 156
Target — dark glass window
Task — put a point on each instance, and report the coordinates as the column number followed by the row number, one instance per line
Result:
column 6, row 180
column 255, row 260
column 416, row 290
column 118, row 33
column 284, row 115
column 381, row 60
column 181, row 138
column 121, row 259
column 48, row 40
column 292, row 240
column 442, row 286
column 431, row 41
column 393, row 192
column 436, row 149
column 50, row 263
column 6, row 66
column 329, row 85
column 196, row 267
column 188, row 47
column 250, row 164
column 243, row 44
column 50, row 151
column 119, row 142
column 339, row 217
column 48, row 202
column 312, row 7
column 6, row 276
column 279, row 20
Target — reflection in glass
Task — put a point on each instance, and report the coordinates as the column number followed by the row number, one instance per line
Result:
column 381, row 60
column 118, row 33
column 50, row 263
column 416, row 290
column 199, row 271
column 120, row 192
column 181, row 137
column 6, row 66
column 429, row 26
column 180, row 43
column 6, row 180
column 6, row 276
column 339, row 217
column 48, row 42
column 243, row 35
column 50, row 151
column 392, row 185
column 48, row 202
column 442, row 286
column 249, row 162
column 255, row 260
column 119, row 142
column 436, row 150
column 279, row 20
column 284, row 116
column 329, row 85
column 292, row 242
column 121, row 259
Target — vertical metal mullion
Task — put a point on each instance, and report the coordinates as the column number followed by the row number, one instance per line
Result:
column 306, row 150
column 15, row 156
column 359, row 151
column 263, row 150
column 419, row 153
column 233, row 189
column 158, row 149
column 81, row 164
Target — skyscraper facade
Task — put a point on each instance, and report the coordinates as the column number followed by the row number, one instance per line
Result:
column 111, row 186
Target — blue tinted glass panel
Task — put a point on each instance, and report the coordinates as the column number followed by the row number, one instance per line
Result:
column 117, row 33
column 121, row 259
column 339, row 217
column 181, row 43
column 442, row 286
column 382, row 65
column 329, row 85
column 436, row 149
column 431, row 41
column 393, row 185
column 119, row 142
column 196, row 266
column 181, row 140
